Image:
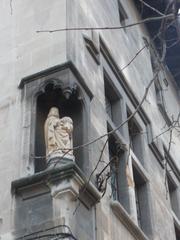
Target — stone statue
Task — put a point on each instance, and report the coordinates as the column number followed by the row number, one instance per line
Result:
column 58, row 135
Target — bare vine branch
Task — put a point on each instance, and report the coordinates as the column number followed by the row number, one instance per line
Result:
column 152, row 8
column 107, row 28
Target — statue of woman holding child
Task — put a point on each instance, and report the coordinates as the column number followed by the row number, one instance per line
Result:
column 58, row 135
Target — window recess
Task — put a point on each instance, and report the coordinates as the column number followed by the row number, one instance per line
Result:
column 118, row 181
column 142, row 197
column 113, row 102
column 116, row 154
column 161, row 101
column 139, row 183
column 177, row 231
column 160, row 83
column 172, row 185
column 135, row 137
column 173, row 195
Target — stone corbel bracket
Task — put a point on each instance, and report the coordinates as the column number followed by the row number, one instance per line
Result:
column 57, row 182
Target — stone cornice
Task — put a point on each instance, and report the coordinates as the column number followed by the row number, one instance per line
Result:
column 67, row 178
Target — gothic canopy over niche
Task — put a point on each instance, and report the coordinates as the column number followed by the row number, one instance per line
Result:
column 60, row 87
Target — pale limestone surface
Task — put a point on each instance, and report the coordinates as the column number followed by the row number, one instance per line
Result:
column 25, row 52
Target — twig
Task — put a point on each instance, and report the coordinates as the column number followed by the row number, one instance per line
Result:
column 97, row 139
column 114, row 130
column 152, row 8
column 86, row 184
column 106, row 28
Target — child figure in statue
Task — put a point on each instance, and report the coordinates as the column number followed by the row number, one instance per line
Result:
column 58, row 135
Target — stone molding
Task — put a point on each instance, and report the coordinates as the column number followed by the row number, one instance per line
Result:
column 176, row 220
column 48, row 72
column 93, row 49
column 125, row 218
column 58, row 181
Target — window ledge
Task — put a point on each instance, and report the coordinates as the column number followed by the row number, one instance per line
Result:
column 125, row 218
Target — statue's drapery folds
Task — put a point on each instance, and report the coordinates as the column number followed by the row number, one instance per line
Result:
column 58, row 135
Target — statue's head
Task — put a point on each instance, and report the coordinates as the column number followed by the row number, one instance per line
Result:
column 54, row 111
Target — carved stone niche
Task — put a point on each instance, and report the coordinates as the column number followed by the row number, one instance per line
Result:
column 62, row 87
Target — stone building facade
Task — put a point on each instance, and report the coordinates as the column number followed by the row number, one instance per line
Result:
column 104, row 81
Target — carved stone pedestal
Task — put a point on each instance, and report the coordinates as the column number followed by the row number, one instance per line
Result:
column 58, row 160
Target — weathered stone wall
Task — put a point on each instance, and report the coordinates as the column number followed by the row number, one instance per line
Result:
column 25, row 52
column 123, row 45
